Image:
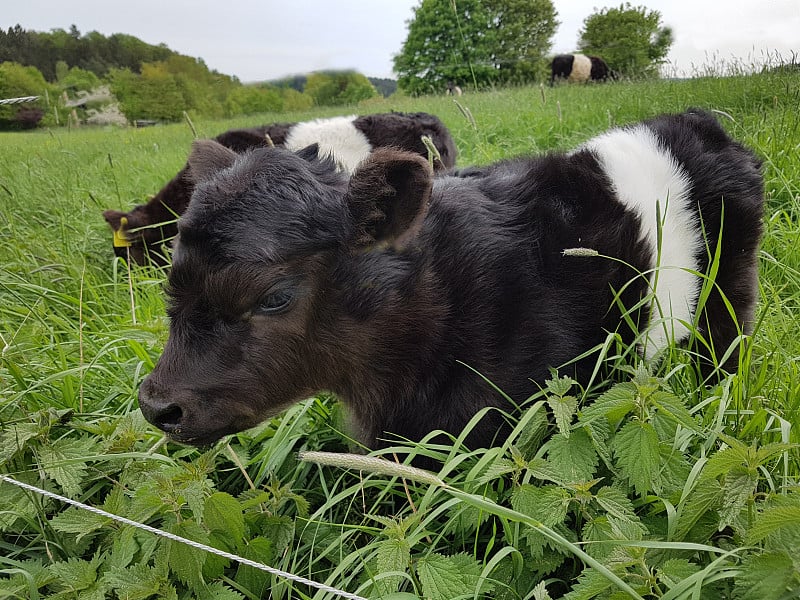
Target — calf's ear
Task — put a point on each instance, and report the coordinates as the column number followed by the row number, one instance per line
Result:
column 309, row 153
column 114, row 218
column 207, row 158
column 388, row 196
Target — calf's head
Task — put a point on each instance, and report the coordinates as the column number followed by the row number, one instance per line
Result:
column 142, row 234
column 269, row 281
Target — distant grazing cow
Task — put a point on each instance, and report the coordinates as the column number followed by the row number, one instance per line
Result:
column 578, row 68
column 348, row 140
column 388, row 286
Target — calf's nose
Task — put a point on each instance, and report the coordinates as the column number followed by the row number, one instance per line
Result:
column 164, row 414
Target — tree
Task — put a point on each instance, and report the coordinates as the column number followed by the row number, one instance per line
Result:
column 446, row 42
column 630, row 39
column 253, row 99
column 76, row 79
column 18, row 81
column 152, row 95
column 334, row 88
column 477, row 42
column 525, row 30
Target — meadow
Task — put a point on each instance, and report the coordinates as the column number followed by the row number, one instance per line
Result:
column 653, row 484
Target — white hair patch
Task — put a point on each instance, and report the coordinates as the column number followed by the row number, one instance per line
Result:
column 581, row 68
column 648, row 180
column 337, row 137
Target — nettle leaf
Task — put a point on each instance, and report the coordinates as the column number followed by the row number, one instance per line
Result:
column 599, row 431
column 613, row 404
column 146, row 503
column 279, row 530
column 540, row 592
column 573, row 458
column 598, row 530
column 82, row 522
column 253, row 499
column 738, row 487
column 543, row 470
column 560, row 387
column 449, row 577
column 15, row 437
column 466, row 518
column 392, row 555
column 564, row 409
column 34, row 570
column 124, row 548
column 471, row 570
column 636, row 449
column 215, row 565
column 440, row 578
column 394, row 528
column 135, row 583
column 185, row 561
column 590, row 584
column 626, row 529
column 498, row 468
column 223, row 513
column 217, row 591
column 15, row 587
column 675, row 470
column 705, row 497
column 616, row 503
column 726, row 459
column 96, row 592
column 769, row 576
column 547, row 504
column 63, row 460
column 781, row 514
column 675, row 570
column 255, row 580
column 15, row 503
column 670, row 405
column 194, row 494
column 76, row 574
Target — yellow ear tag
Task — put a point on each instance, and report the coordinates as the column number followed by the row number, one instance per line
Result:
column 120, row 239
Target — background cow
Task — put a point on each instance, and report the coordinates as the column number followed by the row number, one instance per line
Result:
column 578, row 68
column 347, row 140
column 384, row 287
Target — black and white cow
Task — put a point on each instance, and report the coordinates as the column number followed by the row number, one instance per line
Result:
column 393, row 288
column 578, row 68
column 139, row 234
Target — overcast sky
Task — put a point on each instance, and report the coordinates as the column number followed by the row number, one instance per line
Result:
column 258, row 40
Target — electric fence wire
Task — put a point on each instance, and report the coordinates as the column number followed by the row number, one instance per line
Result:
column 177, row 538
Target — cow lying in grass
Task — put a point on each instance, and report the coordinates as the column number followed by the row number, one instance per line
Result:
column 391, row 288
column 141, row 233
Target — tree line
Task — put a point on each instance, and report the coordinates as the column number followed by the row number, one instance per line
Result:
column 147, row 82
column 475, row 44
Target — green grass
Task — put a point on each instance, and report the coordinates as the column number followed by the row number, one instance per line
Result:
column 660, row 487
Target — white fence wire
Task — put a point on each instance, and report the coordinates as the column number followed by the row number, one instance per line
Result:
column 176, row 538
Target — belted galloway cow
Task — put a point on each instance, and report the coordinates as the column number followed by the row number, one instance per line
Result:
column 403, row 293
column 140, row 234
column 578, row 68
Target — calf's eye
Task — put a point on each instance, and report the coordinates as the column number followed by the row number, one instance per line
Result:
column 275, row 303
